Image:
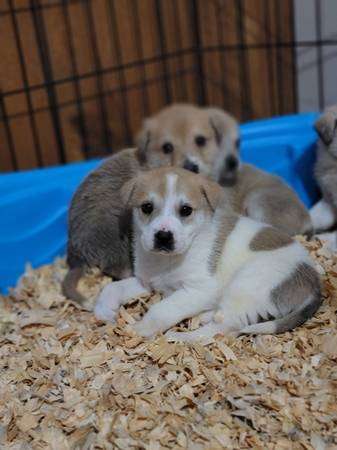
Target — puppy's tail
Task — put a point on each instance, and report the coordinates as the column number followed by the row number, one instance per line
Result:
column 70, row 282
column 288, row 322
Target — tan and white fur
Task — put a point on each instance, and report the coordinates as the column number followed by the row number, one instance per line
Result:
column 324, row 213
column 194, row 135
column 189, row 244
column 99, row 225
column 199, row 139
column 266, row 198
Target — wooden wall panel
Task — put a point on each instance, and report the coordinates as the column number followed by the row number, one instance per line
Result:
column 211, row 59
column 77, row 77
column 151, row 50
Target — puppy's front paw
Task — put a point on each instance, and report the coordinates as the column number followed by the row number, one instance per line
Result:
column 149, row 326
column 104, row 312
column 144, row 329
column 107, row 303
column 153, row 322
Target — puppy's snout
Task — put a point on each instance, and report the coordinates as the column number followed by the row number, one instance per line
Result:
column 164, row 240
column 191, row 166
column 231, row 162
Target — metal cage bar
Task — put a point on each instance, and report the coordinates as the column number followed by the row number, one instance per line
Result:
column 165, row 58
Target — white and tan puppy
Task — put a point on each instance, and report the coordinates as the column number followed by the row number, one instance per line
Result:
column 191, row 137
column 190, row 245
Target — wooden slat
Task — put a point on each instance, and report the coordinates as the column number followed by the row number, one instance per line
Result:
column 151, row 48
column 140, row 34
column 211, row 61
column 256, row 59
column 6, row 161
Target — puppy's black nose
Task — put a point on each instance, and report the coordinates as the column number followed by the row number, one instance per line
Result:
column 191, row 166
column 231, row 162
column 164, row 240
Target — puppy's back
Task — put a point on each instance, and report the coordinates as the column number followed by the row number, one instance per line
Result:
column 266, row 198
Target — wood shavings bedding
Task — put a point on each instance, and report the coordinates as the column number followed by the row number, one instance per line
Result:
column 71, row 382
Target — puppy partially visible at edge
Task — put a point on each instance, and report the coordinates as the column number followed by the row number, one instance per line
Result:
column 99, row 225
column 324, row 213
column 245, row 276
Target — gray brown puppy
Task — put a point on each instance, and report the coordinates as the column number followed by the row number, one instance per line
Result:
column 324, row 213
column 100, row 225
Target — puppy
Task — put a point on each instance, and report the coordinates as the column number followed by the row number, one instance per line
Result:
column 190, row 245
column 266, row 198
column 192, row 136
column 99, row 226
column 324, row 213
column 197, row 139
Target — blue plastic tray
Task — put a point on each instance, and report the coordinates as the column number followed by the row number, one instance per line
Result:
column 33, row 204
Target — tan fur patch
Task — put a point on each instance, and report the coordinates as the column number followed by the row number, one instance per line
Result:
column 292, row 296
column 227, row 225
column 269, row 238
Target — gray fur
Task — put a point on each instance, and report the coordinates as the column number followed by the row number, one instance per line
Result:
column 228, row 222
column 326, row 164
column 269, row 238
column 69, row 285
column 297, row 299
column 266, row 198
column 99, row 225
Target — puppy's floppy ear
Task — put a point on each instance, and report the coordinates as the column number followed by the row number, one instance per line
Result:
column 212, row 193
column 143, row 140
column 222, row 123
column 326, row 125
column 127, row 192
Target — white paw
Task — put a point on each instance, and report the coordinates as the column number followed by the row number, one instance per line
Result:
column 108, row 303
column 151, row 324
column 105, row 313
column 145, row 329
column 173, row 336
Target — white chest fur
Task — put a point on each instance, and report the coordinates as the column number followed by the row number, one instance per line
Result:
column 167, row 273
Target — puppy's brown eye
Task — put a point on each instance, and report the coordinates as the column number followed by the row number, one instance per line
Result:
column 200, row 141
column 167, row 147
column 147, row 208
column 185, row 210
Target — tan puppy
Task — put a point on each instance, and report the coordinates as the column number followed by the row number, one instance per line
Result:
column 191, row 246
column 100, row 225
column 198, row 139
column 187, row 132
